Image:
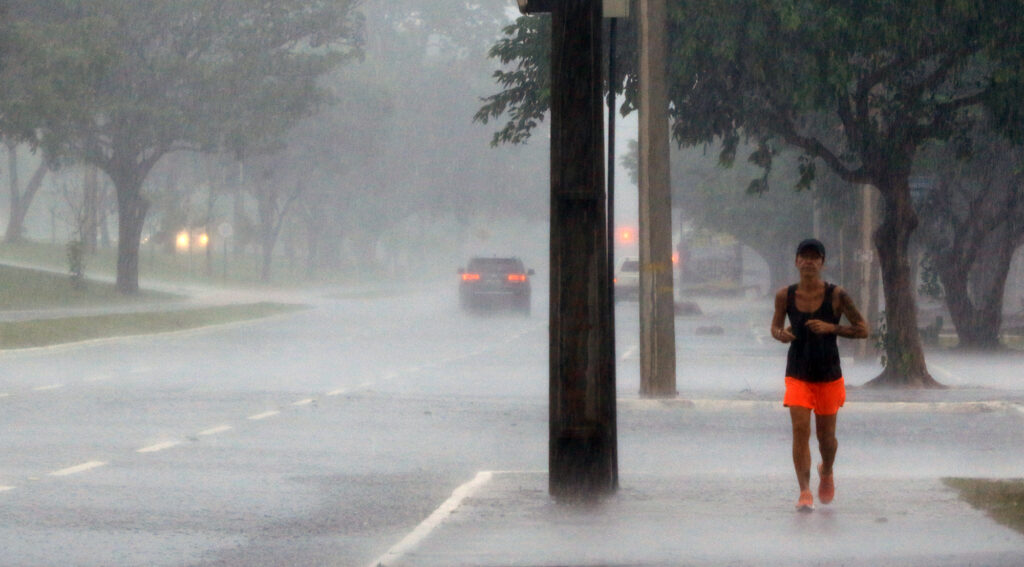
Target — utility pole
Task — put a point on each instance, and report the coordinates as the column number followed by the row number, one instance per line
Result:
column 657, row 300
column 582, row 444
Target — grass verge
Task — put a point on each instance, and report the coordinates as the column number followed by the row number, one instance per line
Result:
column 46, row 332
column 23, row 288
column 1002, row 500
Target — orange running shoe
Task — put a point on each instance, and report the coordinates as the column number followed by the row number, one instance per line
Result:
column 806, row 501
column 826, row 487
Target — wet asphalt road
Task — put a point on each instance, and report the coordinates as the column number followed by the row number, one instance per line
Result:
column 324, row 437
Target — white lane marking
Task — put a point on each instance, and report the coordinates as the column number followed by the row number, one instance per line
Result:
column 434, row 520
column 215, row 430
column 79, row 468
column 49, row 387
column 337, row 392
column 6, row 488
column 304, row 402
column 629, row 353
column 263, row 415
column 4, row 395
column 159, row 447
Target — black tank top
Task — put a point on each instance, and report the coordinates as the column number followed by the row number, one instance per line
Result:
column 812, row 357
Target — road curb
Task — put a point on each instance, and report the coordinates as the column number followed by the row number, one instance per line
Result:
column 866, row 407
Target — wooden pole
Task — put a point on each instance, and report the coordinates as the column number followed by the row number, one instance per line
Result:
column 657, row 300
column 583, row 459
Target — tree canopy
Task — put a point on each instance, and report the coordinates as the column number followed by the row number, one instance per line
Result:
column 856, row 86
column 120, row 84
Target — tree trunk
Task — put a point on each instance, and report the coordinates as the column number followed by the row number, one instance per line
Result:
column 13, row 233
column 905, row 365
column 20, row 201
column 975, row 287
column 267, row 206
column 90, row 209
column 780, row 268
column 131, row 215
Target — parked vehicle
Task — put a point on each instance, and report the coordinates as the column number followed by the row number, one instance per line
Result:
column 627, row 279
column 495, row 283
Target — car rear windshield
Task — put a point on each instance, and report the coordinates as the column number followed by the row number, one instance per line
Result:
column 504, row 265
column 631, row 266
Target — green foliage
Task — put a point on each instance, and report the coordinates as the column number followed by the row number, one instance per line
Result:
column 22, row 288
column 119, row 85
column 1001, row 499
column 525, row 53
column 526, row 88
column 846, row 83
column 858, row 86
column 45, row 332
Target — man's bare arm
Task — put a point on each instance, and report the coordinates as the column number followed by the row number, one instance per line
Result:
column 778, row 332
column 858, row 327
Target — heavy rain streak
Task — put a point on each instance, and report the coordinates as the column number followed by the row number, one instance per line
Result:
column 488, row 283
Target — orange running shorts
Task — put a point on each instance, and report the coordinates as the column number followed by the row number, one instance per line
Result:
column 825, row 398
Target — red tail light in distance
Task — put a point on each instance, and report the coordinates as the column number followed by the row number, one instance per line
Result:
column 470, row 277
column 517, row 277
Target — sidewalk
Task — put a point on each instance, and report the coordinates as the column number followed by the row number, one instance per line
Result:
column 509, row 520
column 689, row 499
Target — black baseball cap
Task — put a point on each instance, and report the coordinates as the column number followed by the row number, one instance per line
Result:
column 811, row 244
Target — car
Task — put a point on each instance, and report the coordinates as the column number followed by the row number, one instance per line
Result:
column 495, row 283
column 627, row 279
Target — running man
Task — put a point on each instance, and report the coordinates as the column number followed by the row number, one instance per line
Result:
column 814, row 379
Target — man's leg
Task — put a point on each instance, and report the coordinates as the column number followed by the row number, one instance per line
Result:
column 801, row 418
column 827, row 444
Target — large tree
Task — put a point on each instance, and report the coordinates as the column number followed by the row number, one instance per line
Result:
column 972, row 223
column 189, row 74
column 887, row 77
column 858, row 86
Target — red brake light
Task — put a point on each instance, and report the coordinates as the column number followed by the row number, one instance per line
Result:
column 517, row 277
column 470, row 277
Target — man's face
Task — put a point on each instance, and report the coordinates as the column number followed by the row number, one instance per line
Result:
column 809, row 261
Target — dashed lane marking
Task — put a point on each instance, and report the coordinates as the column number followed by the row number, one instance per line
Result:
column 4, row 395
column 304, row 402
column 159, row 447
column 215, row 430
column 433, row 521
column 337, row 392
column 48, row 387
column 263, row 415
column 79, row 468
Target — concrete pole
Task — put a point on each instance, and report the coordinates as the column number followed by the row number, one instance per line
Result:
column 583, row 455
column 865, row 258
column 657, row 300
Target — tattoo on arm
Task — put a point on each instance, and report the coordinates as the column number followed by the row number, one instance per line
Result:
column 858, row 328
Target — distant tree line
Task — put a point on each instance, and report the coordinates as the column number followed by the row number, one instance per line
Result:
column 319, row 125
